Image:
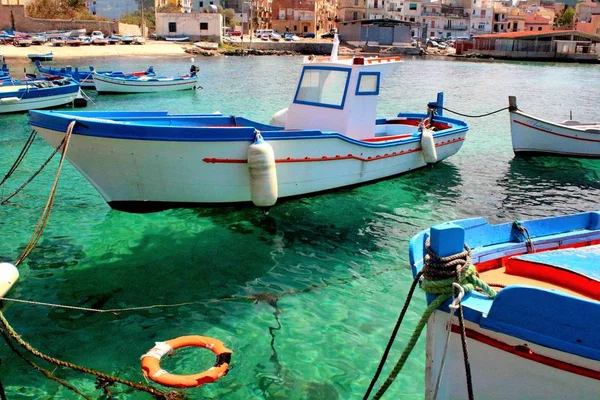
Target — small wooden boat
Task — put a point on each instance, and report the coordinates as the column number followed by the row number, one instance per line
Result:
column 532, row 135
column 177, row 39
column 41, row 57
column 329, row 137
column 38, row 39
column 537, row 337
column 22, row 41
column 84, row 76
column 58, row 41
column 35, row 94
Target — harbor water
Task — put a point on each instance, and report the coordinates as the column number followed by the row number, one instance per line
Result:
column 306, row 296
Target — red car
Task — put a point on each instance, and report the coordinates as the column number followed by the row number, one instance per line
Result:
column 236, row 33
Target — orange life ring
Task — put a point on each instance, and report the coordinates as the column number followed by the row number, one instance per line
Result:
column 151, row 362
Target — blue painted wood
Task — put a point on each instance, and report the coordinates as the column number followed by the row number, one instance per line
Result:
column 440, row 103
column 447, row 239
column 582, row 260
column 548, row 318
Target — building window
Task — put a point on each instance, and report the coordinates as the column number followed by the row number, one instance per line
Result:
column 539, row 28
column 172, row 27
column 481, row 26
column 211, row 3
column 355, row 15
column 531, row 28
column 203, row 26
column 201, row 4
column 305, row 29
column 295, row 28
column 412, row 6
column 355, row 2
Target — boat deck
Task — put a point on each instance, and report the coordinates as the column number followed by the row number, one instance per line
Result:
column 573, row 271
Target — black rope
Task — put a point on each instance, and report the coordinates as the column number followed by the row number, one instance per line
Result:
column 473, row 116
column 393, row 336
column 21, row 156
column 463, row 338
column 2, row 394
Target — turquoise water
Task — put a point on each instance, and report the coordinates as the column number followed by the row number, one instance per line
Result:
column 337, row 263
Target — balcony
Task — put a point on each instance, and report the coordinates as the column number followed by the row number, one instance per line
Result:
column 431, row 14
column 455, row 28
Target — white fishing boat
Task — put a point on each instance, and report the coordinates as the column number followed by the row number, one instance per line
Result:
column 534, row 334
column 35, row 94
column 177, row 39
column 533, row 135
column 329, row 137
column 118, row 82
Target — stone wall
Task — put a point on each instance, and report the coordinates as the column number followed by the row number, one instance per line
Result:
column 13, row 17
column 299, row 47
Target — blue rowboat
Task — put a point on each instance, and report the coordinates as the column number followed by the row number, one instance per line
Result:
column 537, row 337
column 83, row 76
column 35, row 94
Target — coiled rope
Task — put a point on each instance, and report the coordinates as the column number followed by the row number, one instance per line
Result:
column 438, row 276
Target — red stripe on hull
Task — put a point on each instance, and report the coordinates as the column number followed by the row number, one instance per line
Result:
column 554, row 133
column 328, row 158
column 525, row 352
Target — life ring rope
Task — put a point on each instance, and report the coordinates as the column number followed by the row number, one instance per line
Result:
column 152, row 370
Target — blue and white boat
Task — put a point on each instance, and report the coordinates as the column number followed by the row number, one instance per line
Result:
column 83, row 76
column 329, row 137
column 177, row 39
column 35, row 94
column 537, row 338
column 4, row 71
column 117, row 82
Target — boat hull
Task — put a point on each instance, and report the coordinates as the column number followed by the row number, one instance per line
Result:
column 503, row 367
column 105, row 84
column 38, row 103
column 531, row 136
column 141, row 172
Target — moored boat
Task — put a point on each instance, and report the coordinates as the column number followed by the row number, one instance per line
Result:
column 177, row 39
column 532, row 135
column 58, row 41
column 328, row 138
column 536, row 335
column 41, row 57
column 35, row 94
column 115, row 82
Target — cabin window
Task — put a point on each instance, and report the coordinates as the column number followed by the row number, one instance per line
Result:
column 368, row 84
column 203, row 26
column 172, row 27
column 412, row 6
column 323, row 87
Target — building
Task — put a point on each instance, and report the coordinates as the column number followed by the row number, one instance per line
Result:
column 409, row 11
column 566, row 45
column 297, row 16
column 375, row 32
column 197, row 25
column 588, row 18
column 538, row 23
column 482, row 14
column 351, row 10
column 445, row 20
column 507, row 18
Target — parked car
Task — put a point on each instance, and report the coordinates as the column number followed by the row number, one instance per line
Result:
column 308, row 35
column 328, row 35
column 236, row 33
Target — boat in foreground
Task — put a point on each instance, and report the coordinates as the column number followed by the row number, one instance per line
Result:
column 114, row 82
column 538, row 336
column 35, row 94
column 533, row 135
column 328, row 138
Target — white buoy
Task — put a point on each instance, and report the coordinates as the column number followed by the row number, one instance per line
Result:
column 428, row 146
column 8, row 277
column 263, row 174
column 279, row 118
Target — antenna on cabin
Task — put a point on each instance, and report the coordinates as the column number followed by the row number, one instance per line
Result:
column 334, row 49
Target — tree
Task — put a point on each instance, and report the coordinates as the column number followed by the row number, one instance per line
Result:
column 566, row 18
column 58, row 9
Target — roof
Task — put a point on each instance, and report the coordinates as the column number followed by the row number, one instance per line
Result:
column 532, row 34
column 537, row 19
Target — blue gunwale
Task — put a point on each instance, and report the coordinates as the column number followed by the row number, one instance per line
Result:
column 201, row 128
column 549, row 318
column 32, row 92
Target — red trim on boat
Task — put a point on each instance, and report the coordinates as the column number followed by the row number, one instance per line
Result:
column 525, row 352
column 554, row 133
column 328, row 158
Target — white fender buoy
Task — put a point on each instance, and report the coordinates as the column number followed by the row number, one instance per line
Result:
column 428, row 146
column 279, row 118
column 8, row 277
column 263, row 173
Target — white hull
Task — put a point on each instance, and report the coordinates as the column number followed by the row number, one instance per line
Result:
column 37, row 103
column 535, row 372
column 108, row 84
column 217, row 172
column 533, row 135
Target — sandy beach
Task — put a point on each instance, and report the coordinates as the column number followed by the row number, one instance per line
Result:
column 151, row 48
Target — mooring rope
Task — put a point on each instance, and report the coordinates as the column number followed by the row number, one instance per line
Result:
column 20, row 157
column 439, row 274
column 525, row 234
column 41, row 224
column 473, row 116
